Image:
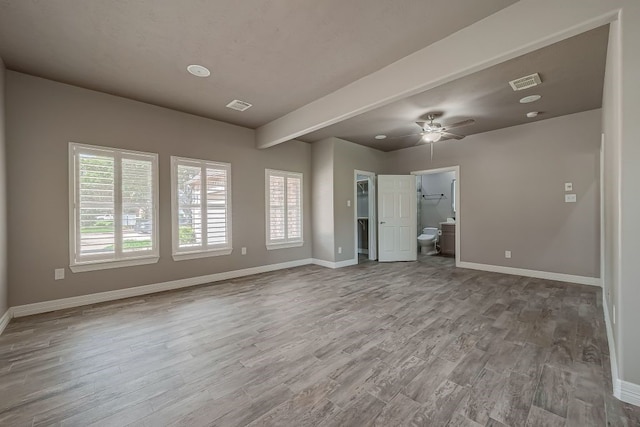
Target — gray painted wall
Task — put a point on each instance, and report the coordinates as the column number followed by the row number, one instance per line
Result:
column 512, row 193
column 435, row 209
column 334, row 162
column 611, row 179
column 349, row 157
column 4, row 289
column 322, row 204
column 629, row 170
column 43, row 116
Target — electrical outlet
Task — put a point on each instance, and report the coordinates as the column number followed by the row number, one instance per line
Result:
column 348, row 203
column 568, row 186
column 244, row 251
column 58, row 274
column 339, row 249
column 507, row 254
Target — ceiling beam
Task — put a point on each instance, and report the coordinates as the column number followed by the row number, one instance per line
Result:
column 516, row 30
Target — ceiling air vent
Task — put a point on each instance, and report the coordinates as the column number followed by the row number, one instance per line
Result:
column 238, row 105
column 526, row 82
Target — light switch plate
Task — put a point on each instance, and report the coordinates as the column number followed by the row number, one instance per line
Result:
column 348, row 203
column 58, row 274
column 570, row 198
column 568, row 186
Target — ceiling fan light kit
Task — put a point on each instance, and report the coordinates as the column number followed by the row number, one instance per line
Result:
column 432, row 131
column 432, row 136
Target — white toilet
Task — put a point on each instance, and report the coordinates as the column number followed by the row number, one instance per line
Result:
column 427, row 241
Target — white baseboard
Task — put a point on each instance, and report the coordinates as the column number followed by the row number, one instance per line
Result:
column 561, row 277
column 629, row 393
column 64, row 303
column 623, row 390
column 4, row 320
column 323, row 263
column 346, row 263
column 60, row 304
column 613, row 358
column 331, row 264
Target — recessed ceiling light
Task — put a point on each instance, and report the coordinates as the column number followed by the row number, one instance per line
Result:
column 532, row 114
column 198, row 70
column 380, row 136
column 530, row 98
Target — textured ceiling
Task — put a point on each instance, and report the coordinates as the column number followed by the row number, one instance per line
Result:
column 277, row 55
column 572, row 74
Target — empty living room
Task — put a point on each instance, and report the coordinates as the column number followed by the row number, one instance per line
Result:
column 329, row 213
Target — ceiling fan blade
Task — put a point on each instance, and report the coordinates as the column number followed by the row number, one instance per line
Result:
column 406, row 136
column 458, row 124
column 449, row 135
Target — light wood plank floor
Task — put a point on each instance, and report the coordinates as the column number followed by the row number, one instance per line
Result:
column 421, row 344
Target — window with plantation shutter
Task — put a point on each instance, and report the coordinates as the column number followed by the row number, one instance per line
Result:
column 113, row 207
column 283, row 209
column 201, row 208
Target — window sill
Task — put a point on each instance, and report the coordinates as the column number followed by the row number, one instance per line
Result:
column 104, row 265
column 201, row 254
column 272, row 246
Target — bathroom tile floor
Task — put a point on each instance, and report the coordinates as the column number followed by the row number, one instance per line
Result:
column 420, row 343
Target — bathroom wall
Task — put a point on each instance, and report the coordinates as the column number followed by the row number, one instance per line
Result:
column 434, row 208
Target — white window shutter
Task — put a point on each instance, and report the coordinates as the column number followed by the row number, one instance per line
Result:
column 113, row 207
column 294, row 208
column 201, row 208
column 284, row 209
column 277, row 224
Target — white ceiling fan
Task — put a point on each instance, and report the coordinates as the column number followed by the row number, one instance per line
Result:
column 432, row 131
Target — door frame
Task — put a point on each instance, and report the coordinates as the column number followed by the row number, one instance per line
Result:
column 455, row 169
column 373, row 237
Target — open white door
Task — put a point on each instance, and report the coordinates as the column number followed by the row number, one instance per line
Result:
column 397, row 218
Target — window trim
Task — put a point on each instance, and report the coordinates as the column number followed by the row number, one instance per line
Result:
column 90, row 263
column 287, row 243
column 218, row 250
